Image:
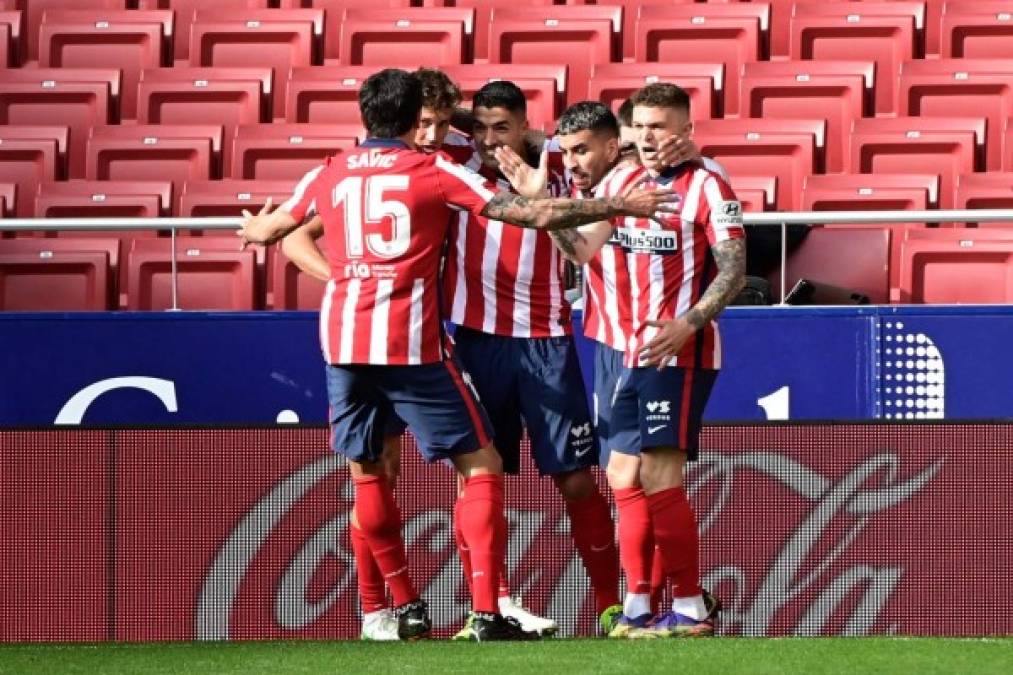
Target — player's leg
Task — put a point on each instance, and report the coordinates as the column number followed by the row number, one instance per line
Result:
column 618, row 429
column 673, row 401
column 448, row 421
column 491, row 365
column 563, row 444
column 378, row 621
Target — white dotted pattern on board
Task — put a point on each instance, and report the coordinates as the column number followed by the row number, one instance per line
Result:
column 916, row 374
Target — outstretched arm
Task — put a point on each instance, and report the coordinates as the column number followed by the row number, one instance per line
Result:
column 560, row 213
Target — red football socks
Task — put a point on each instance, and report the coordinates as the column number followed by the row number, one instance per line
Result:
column 484, row 528
column 594, row 538
column 636, row 538
column 678, row 540
column 462, row 546
column 372, row 592
column 380, row 523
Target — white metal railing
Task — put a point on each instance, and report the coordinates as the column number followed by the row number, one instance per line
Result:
column 772, row 219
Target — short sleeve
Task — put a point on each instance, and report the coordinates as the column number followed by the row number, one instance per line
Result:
column 723, row 217
column 462, row 189
column 301, row 204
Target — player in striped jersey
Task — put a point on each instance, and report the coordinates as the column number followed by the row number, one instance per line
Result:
column 381, row 334
column 652, row 294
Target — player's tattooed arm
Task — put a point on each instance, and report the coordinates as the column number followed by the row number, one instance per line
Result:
column 578, row 245
column 730, row 257
column 559, row 213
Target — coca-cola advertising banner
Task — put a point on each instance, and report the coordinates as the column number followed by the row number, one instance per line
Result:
column 180, row 534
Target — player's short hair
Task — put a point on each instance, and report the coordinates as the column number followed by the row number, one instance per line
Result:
column 587, row 116
column 661, row 95
column 625, row 113
column 501, row 94
column 438, row 91
column 390, row 102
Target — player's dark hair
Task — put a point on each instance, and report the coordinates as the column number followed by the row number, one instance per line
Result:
column 390, row 102
column 588, row 116
column 661, row 95
column 438, row 91
column 501, row 94
column 625, row 114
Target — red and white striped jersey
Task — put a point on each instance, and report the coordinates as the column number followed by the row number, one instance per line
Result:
column 650, row 271
column 502, row 279
column 386, row 211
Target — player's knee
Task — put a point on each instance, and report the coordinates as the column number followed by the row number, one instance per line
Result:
column 623, row 471
column 575, row 485
column 662, row 469
column 482, row 461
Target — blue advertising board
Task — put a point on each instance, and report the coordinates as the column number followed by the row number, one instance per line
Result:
column 264, row 367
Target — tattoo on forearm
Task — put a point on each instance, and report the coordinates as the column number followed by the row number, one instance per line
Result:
column 567, row 241
column 550, row 214
column 730, row 257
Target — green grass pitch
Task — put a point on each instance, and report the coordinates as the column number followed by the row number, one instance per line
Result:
column 691, row 657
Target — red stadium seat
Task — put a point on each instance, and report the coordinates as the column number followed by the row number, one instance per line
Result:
column 228, row 198
column 787, row 150
column 833, row 90
column 227, row 96
column 483, row 18
column 757, row 193
column 267, row 38
column 288, row 151
column 732, row 34
column 1007, row 147
column 407, row 38
column 957, row 266
column 862, row 182
column 152, row 152
column 978, row 29
column 851, row 259
column 210, row 277
column 29, row 156
column 8, row 200
column 293, row 289
column 127, row 40
column 544, row 87
column 334, row 14
column 884, row 32
column 79, row 99
column 780, row 26
column 34, row 10
column 985, row 191
column 613, row 83
column 326, row 95
column 947, row 146
column 11, row 32
column 73, row 281
column 184, row 16
column 580, row 37
column 103, row 199
column 950, row 87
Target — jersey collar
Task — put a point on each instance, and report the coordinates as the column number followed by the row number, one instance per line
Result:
column 384, row 143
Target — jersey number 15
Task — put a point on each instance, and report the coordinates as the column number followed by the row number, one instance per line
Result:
column 348, row 196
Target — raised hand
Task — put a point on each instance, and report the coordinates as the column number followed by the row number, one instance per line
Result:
column 653, row 203
column 256, row 228
column 528, row 181
column 675, row 150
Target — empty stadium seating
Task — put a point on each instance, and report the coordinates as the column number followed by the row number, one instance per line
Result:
column 213, row 275
column 580, row 37
column 614, row 82
column 985, row 191
column 832, row 90
column 77, row 98
column 483, row 18
column 328, row 95
column 103, row 199
column 258, row 38
column 406, row 37
column 852, row 259
column 223, row 198
column 288, row 151
column 978, row 29
column 184, row 17
column 948, row 146
column 11, row 35
column 757, row 193
column 957, row 266
column 884, row 32
column 151, row 152
column 127, row 40
column 951, row 87
column 57, row 274
column 292, row 289
column 35, row 9
column 29, row 156
column 733, row 34
column 8, row 199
